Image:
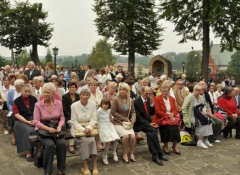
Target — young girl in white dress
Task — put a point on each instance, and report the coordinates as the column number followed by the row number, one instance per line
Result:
column 107, row 132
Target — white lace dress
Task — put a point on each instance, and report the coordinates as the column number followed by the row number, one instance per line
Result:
column 107, row 132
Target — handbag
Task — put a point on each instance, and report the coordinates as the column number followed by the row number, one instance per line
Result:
column 126, row 125
column 168, row 121
column 80, row 133
column 55, row 136
column 38, row 160
column 199, row 117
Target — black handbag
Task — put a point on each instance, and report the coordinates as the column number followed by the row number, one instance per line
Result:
column 199, row 117
column 38, row 160
column 55, row 136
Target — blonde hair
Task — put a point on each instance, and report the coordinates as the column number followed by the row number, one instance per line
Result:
column 124, row 86
column 112, row 84
column 50, row 86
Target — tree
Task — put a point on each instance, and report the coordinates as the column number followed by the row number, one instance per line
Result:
column 193, row 63
column 48, row 57
column 234, row 64
column 24, row 57
column 101, row 55
column 24, row 25
column 133, row 26
column 193, row 20
column 139, row 70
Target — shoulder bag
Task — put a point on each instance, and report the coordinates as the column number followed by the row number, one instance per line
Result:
column 55, row 136
column 199, row 117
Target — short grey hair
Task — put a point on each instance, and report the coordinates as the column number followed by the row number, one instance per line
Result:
column 227, row 90
column 50, row 86
column 32, row 63
column 36, row 78
column 41, row 78
column 25, row 86
column 17, row 82
column 197, row 87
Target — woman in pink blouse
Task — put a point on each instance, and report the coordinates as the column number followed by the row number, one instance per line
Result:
column 45, row 110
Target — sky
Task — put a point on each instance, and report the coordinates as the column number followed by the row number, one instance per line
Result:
column 75, row 33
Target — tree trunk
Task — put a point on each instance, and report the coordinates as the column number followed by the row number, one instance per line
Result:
column 206, row 40
column 34, row 54
column 131, row 50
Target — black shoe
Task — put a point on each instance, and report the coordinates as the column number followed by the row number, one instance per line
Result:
column 178, row 153
column 30, row 159
column 158, row 161
column 168, row 153
column 163, row 157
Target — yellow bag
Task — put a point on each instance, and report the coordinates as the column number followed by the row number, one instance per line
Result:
column 185, row 137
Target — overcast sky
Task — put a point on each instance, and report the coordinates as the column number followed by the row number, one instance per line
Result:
column 75, row 32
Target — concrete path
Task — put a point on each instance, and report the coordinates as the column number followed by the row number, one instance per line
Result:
column 222, row 159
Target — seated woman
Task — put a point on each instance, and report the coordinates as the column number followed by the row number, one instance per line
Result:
column 201, row 131
column 83, row 117
column 23, row 107
column 123, row 110
column 67, row 100
column 166, row 109
column 45, row 110
column 111, row 93
column 12, row 95
column 228, row 103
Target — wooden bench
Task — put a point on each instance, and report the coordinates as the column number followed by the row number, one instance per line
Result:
column 33, row 138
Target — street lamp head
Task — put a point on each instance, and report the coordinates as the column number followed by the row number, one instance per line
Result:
column 55, row 51
column 183, row 64
column 195, row 55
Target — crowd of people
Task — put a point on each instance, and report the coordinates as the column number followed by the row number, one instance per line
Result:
column 121, row 109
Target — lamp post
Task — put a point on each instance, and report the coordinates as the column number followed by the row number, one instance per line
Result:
column 3, row 60
column 55, row 53
column 16, row 58
column 183, row 65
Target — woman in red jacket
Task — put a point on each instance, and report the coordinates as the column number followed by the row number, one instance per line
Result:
column 228, row 103
column 167, row 117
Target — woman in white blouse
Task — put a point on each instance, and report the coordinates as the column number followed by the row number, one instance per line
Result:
column 104, row 77
column 212, row 95
column 83, row 117
column 95, row 95
column 218, row 92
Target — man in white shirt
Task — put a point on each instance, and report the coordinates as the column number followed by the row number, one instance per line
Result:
column 36, row 90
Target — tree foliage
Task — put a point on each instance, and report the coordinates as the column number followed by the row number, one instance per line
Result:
column 22, row 25
column 234, row 64
column 49, row 56
column 133, row 26
column 193, row 20
column 193, row 64
column 139, row 71
column 24, row 57
column 101, row 55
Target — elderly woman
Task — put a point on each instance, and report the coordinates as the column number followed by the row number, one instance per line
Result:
column 96, row 95
column 49, row 71
column 123, row 110
column 46, row 110
column 166, row 109
column 212, row 95
column 218, row 92
column 202, row 131
column 111, row 93
column 67, row 100
column 228, row 103
column 118, row 78
column 83, row 117
column 59, row 91
column 3, row 102
column 12, row 95
column 23, row 107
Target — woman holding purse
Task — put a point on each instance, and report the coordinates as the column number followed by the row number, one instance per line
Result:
column 123, row 111
column 83, row 118
column 166, row 116
column 47, row 110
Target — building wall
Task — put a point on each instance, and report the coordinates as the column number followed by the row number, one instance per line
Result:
column 214, row 67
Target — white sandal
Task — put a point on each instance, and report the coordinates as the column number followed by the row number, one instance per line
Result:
column 105, row 160
column 115, row 157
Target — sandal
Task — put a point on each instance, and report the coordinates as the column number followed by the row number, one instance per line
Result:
column 14, row 143
column 85, row 172
column 95, row 172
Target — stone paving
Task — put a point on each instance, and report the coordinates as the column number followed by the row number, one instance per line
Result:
column 222, row 159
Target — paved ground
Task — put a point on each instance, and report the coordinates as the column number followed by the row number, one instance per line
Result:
column 222, row 159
